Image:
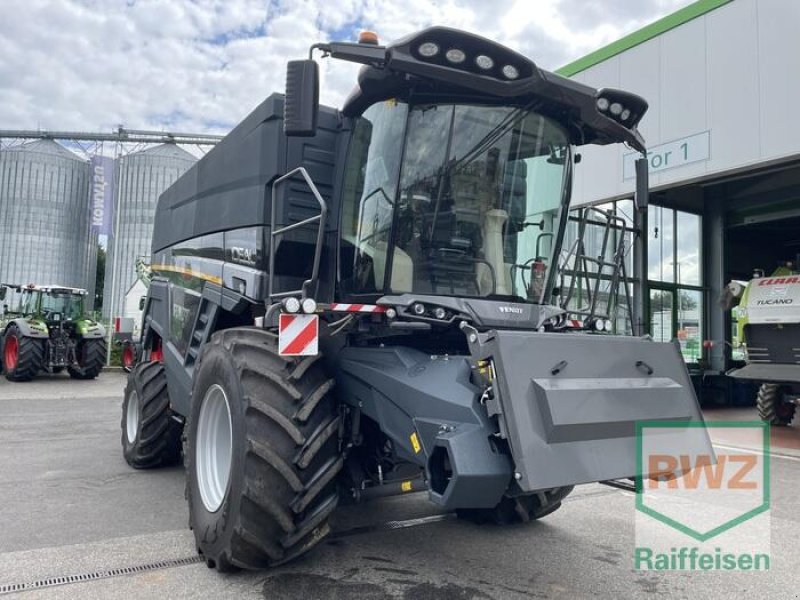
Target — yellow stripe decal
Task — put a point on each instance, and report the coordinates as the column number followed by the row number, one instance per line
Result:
column 189, row 272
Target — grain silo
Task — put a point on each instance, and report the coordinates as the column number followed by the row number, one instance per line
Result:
column 44, row 216
column 141, row 177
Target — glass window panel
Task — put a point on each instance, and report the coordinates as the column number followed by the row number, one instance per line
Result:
column 661, row 315
column 660, row 244
column 689, row 329
column 688, row 249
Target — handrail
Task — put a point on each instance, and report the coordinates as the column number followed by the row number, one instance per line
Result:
column 321, row 218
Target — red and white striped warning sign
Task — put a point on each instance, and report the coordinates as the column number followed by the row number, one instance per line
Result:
column 298, row 335
column 363, row 308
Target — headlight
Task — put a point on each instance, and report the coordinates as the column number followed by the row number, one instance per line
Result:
column 625, row 114
column 484, row 62
column 309, row 306
column 439, row 313
column 291, row 305
column 615, row 109
column 510, row 71
column 428, row 49
column 454, row 55
column 602, row 104
column 419, row 309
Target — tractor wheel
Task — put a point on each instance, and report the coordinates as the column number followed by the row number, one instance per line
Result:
column 771, row 405
column 151, row 437
column 262, row 452
column 91, row 359
column 520, row 509
column 23, row 356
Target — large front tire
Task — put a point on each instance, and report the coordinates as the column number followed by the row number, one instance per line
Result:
column 91, row 359
column 772, row 408
column 520, row 509
column 23, row 356
column 151, row 437
column 262, row 452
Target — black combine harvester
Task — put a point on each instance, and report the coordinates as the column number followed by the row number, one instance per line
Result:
column 359, row 303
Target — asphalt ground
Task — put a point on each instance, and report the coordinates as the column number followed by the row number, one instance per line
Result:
column 75, row 519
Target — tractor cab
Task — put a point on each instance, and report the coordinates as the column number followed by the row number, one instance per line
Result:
column 52, row 304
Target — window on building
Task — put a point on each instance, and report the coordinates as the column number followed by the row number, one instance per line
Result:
column 674, row 262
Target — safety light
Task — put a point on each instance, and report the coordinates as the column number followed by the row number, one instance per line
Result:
column 615, row 109
column 428, row 49
column 309, row 306
column 484, row 62
column 454, row 55
column 439, row 313
column 419, row 309
column 510, row 72
column 291, row 305
column 368, row 37
column 602, row 104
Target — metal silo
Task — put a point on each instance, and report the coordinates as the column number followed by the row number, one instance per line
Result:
column 44, row 216
column 141, row 177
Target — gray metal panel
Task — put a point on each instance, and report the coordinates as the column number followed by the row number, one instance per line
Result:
column 45, row 216
column 569, row 403
column 764, row 372
column 141, row 178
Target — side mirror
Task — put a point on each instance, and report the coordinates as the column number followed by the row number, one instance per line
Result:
column 302, row 98
column 642, row 197
column 3, row 292
column 141, row 302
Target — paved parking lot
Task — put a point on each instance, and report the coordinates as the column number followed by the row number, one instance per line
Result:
column 72, row 513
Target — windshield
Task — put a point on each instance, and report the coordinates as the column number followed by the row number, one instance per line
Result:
column 65, row 304
column 473, row 208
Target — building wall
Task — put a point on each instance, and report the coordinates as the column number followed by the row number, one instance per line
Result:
column 44, row 217
column 141, row 178
column 728, row 77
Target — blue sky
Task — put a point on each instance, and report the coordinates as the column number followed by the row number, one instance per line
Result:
column 202, row 65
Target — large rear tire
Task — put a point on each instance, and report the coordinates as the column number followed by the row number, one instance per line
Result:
column 23, row 356
column 520, row 509
column 151, row 437
column 91, row 359
column 772, row 408
column 262, row 452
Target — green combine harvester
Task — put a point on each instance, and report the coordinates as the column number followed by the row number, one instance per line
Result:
column 46, row 328
column 767, row 315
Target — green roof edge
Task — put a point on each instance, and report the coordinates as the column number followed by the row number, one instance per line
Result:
column 679, row 17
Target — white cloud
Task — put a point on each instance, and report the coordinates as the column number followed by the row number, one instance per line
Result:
column 202, row 65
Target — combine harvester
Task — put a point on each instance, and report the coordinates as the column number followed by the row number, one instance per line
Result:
column 359, row 303
column 767, row 311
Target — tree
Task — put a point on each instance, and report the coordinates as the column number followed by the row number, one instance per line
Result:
column 100, row 278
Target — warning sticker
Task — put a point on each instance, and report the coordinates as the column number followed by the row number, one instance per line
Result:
column 298, row 335
column 415, row 443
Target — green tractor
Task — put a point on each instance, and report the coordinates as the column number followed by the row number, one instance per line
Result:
column 46, row 328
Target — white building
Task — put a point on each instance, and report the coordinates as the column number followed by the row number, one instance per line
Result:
column 722, row 80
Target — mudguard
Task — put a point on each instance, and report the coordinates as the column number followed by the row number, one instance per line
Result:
column 28, row 331
column 568, row 403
